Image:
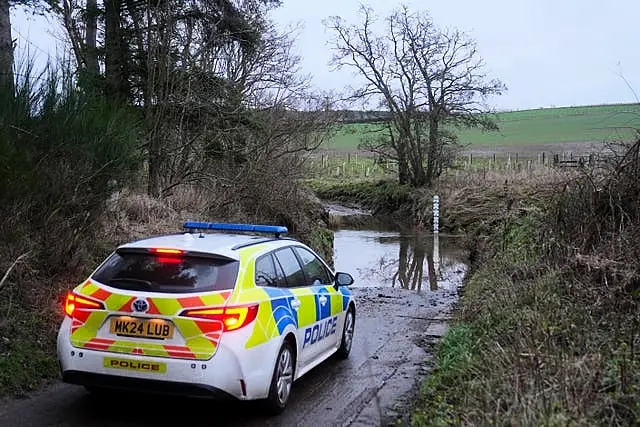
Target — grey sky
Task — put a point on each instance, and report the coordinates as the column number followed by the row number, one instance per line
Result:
column 548, row 53
column 562, row 52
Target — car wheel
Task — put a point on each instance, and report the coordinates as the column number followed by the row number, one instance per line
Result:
column 282, row 380
column 347, row 334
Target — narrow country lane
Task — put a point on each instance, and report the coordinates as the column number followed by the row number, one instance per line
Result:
column 385, row 362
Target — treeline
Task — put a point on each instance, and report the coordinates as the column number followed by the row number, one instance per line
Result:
column 160, row 96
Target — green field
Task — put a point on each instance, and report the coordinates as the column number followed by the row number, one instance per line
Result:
column 542, row 126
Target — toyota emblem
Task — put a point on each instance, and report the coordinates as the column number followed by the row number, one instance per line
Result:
column 140, row 305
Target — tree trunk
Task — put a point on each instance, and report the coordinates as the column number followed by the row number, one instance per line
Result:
column 432, row 150
column 115, row 52
column 6, row 48
column 90, row 39
column 403, row 164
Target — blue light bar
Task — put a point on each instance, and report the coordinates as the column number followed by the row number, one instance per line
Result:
column 270, row 229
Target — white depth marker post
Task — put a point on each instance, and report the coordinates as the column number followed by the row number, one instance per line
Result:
column 436, row 235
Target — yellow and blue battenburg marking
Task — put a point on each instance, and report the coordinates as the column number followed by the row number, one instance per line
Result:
column 276, row 312
column 346, row 297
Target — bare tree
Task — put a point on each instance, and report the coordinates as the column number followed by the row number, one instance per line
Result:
column 427, row 78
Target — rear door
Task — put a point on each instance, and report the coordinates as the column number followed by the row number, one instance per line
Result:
column 146, row 295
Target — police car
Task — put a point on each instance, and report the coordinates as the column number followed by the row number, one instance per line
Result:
column 207, row 314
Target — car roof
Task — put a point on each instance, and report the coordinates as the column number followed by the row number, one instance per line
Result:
column 213, row 243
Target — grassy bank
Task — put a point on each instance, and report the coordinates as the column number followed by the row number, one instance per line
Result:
column 547, row 331
column 469, row 199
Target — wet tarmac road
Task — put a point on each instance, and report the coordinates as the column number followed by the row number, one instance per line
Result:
column 385, row 362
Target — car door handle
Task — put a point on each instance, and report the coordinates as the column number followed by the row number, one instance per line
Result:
column 323, row 300
column 295, row 304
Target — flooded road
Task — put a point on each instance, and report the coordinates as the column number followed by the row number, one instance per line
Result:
column 402, row 259
column 399, row 310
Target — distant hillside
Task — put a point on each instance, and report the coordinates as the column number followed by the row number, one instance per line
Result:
column 517, row 128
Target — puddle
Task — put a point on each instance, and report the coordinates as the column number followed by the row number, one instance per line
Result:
column 400, row 259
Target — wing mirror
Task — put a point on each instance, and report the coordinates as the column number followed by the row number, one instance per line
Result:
column 343, row 279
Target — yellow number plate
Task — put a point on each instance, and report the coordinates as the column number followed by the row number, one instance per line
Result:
column 144, row 328
column 135, row 365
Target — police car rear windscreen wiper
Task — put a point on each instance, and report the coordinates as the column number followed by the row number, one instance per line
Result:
column 139, row 283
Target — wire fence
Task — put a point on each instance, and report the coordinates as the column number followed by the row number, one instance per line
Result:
column 364, row 165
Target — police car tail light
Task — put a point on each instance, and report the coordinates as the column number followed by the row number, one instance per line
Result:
column 231, row 317
column 75, row 302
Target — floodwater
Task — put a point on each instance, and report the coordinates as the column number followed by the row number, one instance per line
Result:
column 405, row 259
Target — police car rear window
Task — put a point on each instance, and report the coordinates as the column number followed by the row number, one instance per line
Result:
column 148, row 272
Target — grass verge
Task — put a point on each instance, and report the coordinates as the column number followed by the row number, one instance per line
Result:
column 536, row 342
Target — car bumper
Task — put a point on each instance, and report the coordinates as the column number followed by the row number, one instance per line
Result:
column 244, row 374
column 141, row 385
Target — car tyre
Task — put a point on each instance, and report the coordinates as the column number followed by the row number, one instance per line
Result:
column 282, row 380
column 347, row 334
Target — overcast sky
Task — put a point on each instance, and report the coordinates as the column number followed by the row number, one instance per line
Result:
column 548, row 53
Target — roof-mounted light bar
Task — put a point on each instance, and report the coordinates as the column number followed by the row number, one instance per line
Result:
column 269, row 229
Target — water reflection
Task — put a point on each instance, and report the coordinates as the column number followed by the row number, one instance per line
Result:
column 402, row 259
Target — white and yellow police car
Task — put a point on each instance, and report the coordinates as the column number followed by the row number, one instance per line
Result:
column 207, row 314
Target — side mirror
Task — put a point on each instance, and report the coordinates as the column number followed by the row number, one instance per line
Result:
column 343, row 279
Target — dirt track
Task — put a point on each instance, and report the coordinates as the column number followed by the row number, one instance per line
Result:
column 386, row 361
